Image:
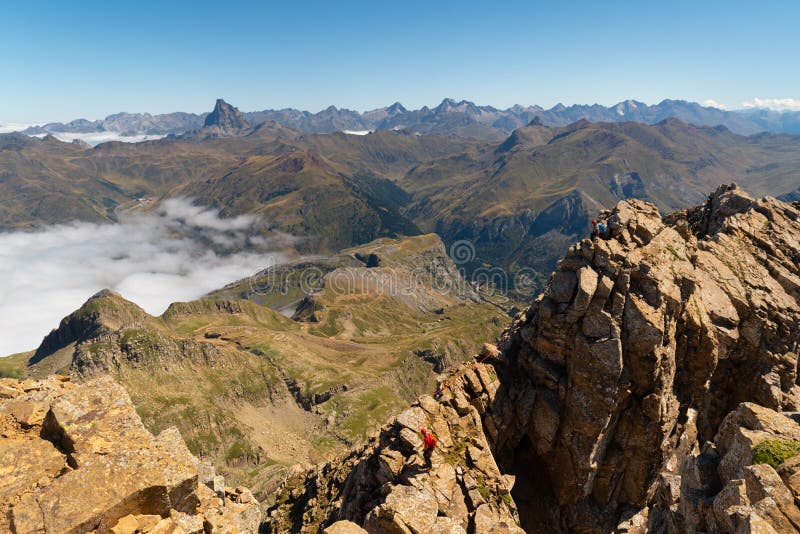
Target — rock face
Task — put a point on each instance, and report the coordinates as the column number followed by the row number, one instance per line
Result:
column 83, row 462
column 226, row 117
column 628, row 398
column 386, row 487
column 642, row 344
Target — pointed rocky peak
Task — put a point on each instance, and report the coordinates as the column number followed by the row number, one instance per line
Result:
column 81, row 143
column 536, row 121
column 226, row 117
column 447, row 105
column 396, row 108
column 652, row 320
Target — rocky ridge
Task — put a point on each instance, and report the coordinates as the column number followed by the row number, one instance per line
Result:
column 386, row 487
column 83, row 462
column 645, row 341
column 633, row 396
column 448, row 117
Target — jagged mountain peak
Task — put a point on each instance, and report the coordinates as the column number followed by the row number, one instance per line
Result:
column 226, row 117
column 450, row 105
column 396, row 108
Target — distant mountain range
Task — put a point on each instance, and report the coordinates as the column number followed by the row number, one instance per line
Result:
column 520, row 201
column 463, row 118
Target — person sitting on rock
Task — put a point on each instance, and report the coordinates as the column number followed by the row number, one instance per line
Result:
column 595, row 231
column 429, row 441
column 601, row 228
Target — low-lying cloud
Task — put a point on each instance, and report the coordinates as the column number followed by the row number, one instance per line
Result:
column 178, row 253
column 91, row 138
column 95, row 138
column 778, row 104
column 711, row 103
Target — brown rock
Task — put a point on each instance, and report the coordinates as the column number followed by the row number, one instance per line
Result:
column 90, row 465
column 126, row 525
column 629, row 395
column 344, row 527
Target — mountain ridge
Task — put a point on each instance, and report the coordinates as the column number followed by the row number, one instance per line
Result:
column 448, row 117
column 518, row 201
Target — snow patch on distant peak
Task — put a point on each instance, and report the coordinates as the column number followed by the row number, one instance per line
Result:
column 356, row 132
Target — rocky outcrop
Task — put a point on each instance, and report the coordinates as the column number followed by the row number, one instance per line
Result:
column 635, row 395
column 83, row 462
column 109, row 333
column 641, row 345
column 386, row 487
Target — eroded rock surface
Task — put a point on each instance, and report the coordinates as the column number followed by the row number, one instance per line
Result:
column 628, row 398
column 386, row 487
column 642, row 344
column 76, row 458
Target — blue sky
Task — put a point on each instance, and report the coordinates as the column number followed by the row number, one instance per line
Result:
column 63, row 60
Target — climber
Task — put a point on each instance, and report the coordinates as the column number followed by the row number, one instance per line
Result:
column 429, row 441
column 601, row 228
column 595, row 231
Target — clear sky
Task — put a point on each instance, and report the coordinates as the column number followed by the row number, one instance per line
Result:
column 61, row 60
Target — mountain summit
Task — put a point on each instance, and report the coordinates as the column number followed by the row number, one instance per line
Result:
column 226, row 117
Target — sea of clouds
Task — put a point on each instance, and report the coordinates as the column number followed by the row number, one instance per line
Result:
column 95, row 138
column 177, row 253
column 92, row 138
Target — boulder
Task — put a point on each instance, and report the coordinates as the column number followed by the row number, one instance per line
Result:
column 83, row 461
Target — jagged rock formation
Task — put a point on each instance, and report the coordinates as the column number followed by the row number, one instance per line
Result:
column 225, row 119
column 630, row 397
column 386, row 487
column 83, row 462
column 644, row 341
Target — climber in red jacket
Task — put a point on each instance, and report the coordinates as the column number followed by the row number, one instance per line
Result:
column 429, row 441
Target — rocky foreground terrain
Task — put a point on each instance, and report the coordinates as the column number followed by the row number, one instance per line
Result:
column 651, row 387
column 76, row 458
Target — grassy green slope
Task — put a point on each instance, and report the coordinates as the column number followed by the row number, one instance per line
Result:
column 257, row 392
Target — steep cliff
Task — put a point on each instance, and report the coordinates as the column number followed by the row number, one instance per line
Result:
column 651, row 387
column 644, row 341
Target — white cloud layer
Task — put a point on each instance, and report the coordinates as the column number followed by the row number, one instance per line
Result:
column 95, row 138
column 92, row 138
column 151, row 259
column 778, row 104
column 713, row 104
